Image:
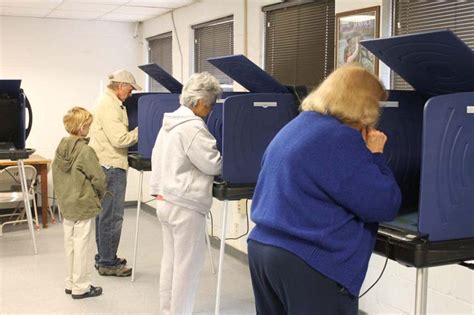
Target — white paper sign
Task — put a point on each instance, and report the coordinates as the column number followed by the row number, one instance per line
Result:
column 265, row 104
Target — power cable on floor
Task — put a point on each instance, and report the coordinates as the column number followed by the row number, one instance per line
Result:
column 232, row 238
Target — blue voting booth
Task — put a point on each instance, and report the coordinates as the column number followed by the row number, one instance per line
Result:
column 430, row 149
column 146, row 110
column 431, row 132
column 245, row 123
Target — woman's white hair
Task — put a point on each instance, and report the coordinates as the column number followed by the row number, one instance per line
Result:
column 200, row 86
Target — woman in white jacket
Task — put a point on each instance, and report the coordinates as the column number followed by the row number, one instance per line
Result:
column 185, row 160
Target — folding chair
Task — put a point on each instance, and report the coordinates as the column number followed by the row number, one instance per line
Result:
column 11, row 193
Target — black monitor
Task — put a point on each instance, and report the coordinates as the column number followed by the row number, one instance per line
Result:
column 13, row 103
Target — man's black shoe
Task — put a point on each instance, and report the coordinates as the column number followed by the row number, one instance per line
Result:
column 94, row 291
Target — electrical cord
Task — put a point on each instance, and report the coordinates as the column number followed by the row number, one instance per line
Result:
column 381, row 273
column 179, row 44
column 147, row 202
column 248, row 224
column 237, row 237
column 380, row 276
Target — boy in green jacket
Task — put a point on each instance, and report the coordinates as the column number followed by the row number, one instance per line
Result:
column 79, row 183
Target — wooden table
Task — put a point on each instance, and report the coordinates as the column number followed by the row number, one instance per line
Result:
column 41, row 164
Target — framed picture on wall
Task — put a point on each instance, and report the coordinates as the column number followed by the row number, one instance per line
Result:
column 351, row 28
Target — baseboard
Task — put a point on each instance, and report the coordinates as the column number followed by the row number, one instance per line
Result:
column 132, row 205
column 215, row 242
column 232, row 251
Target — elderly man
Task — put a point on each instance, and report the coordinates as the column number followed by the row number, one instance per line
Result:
column 111, row 138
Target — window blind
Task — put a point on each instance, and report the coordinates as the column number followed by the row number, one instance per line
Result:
column 213, row 39
column 160, row 51
column 299, row 41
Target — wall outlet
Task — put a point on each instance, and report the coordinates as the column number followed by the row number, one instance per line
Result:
column 236, row 228
column 242, row 206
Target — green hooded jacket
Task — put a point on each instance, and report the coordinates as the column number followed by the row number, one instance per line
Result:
column 79, row 181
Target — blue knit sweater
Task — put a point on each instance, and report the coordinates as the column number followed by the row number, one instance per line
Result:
column 320, row 195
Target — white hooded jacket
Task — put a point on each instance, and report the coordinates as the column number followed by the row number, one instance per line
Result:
column 184, row 161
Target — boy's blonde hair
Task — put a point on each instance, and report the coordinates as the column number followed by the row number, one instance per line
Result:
column 351, row 94
column 75, row 119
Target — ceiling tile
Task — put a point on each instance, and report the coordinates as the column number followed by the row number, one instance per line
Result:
column 111, row 10
column 75, row 6
column 75, row 15
column 111, row 2
column 140, row 10
column 160, row 3
column 30, row 4
column 15, row 11
column 118, row 17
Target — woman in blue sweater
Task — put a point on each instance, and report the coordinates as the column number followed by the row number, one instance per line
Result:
column 323, row 188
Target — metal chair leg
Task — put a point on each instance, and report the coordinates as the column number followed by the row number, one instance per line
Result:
column 26, row 199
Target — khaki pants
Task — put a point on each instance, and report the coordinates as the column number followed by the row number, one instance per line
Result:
column 79, row 244
column 184, row 249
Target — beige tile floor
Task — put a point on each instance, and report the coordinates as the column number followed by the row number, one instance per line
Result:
column 32, row 284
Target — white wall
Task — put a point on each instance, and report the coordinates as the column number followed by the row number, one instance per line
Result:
column 62, row 63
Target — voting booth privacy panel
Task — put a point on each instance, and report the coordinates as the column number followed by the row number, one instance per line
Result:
column 13, row 104
column 146, row 110
column 430, row 132
column 245, row 123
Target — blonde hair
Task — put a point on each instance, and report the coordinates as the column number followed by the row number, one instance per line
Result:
column 351, row 94
column 75, row 119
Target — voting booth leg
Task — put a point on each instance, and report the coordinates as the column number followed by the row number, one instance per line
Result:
column 213, row 270
column 26, row 201
column 221, row 258
column 421, row 291
column 139, row 204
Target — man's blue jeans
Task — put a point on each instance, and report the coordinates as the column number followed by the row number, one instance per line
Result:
column 109, row 222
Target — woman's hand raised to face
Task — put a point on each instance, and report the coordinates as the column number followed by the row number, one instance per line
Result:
column 374, row 139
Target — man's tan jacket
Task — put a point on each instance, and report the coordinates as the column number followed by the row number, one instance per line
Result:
column 109, row 133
